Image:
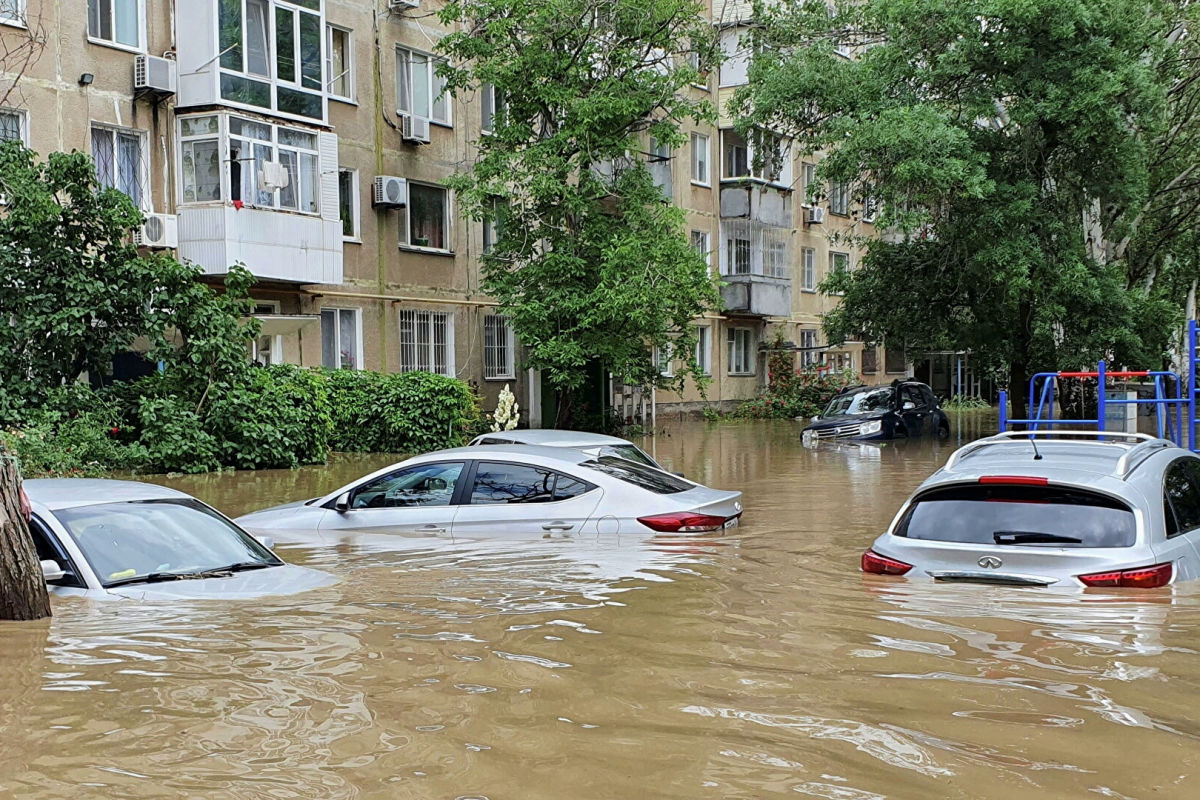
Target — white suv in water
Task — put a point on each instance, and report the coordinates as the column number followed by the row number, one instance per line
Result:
column 1066, row 508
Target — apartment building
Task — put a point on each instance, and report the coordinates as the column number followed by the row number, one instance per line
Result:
column 306, row 139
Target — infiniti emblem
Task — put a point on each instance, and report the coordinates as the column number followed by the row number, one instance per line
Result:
column 990, row 562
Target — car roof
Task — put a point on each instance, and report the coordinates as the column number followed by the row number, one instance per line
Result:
column 56, row 493
column 521, row 452
column 554, row 438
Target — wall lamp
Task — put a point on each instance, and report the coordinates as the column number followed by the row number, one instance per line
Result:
column 86, row 79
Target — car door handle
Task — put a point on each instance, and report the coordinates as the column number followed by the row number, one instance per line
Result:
column 557, row 526
column 431, row 529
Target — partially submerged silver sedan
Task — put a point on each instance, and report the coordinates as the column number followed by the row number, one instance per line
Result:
column 105, row 538
column 1068, row 508
column 511, row 490
column 596, row 444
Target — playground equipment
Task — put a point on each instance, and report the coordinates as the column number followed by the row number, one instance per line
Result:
column 1173, row 403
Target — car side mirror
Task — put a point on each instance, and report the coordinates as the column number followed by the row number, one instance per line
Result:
column 909, row 405
column 679, row 475
column 267, row 542
column 814, row 419
column 52, row 571
column 342, row 504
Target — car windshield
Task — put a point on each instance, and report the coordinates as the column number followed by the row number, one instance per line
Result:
column 1019, row 515
column 124, row 542
column 654, row 480
column 862, row 402
column 630, row 452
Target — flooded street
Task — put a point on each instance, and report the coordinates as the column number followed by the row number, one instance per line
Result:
column 762, row 663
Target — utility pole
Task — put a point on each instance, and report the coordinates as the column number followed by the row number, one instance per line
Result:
column 23, row 594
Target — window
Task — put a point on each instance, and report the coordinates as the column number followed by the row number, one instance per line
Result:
column 491, row 106
column 512, row 483
column 808, row 181
column 704, row 349
column 808, row 269
column 12, row 11
column 741, row 361
column 272, row 55
column 738, row 251
column 426, row 342
column 423, row 485
column 339, row 62
column 663, row 359
column 775, row 258
column 646, row 477
column 272, row 166
column 340, row 340
column 498, row 347
column 660, row 167
column 839, row 263
column 700, row 240
column 420, row 92
column 348, row 202
column 200, row 155
column 700, row 159
column 425, row 222
column 119, row 161
column 1181, row 503
column 839, row 198
column 12, row 124
column 894, row 361
column 870, row 360
column 115, row 21
column 810, row 354
column 736, row 155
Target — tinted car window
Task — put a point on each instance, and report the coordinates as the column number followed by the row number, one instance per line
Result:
column 48, row 550
column 639, row 475
column 861, row 402
column 1019, row 515
column 511, row 483
column 423, row 485
column 912, row 394
column 1181, row 488
column 927, row 395
column 628, row 451
column 567, row 487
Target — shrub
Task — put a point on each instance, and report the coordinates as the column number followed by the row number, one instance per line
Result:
column 962, row 403
column 282, row 418
column 174, row 436
column 400, row 413
column 793, row 393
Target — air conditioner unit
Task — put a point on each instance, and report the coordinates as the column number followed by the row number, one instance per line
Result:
column 273, row 175
column 159, row 231
column 815, row 216
column 415, row 129
column 154, row 75
column 397, row 5
column 390, row 192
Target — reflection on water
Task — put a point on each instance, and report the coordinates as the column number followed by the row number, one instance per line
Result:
column 743, row 666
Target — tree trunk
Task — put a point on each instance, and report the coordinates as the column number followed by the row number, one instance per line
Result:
column 1018, row 393
column 565, row 401
column 23, row 593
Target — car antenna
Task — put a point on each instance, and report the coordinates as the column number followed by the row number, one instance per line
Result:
column 1033, row 441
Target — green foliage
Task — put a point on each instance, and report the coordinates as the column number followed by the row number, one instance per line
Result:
column 410, row 412
column 710, row 413
column 963, row 403
column 174, row 436
column 77, row 434
column 792, row 393
column 993, row 132
column 281, row 418
column 592, row 263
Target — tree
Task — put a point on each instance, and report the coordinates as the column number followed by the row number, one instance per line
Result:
column 591, row 263
column 20, row 48
column 992, row 132
column 23, row 594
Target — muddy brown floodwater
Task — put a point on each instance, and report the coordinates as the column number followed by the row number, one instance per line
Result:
column 754, row 665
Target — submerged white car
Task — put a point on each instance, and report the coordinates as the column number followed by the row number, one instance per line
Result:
column 595, row 444
column 128, row 539
column 511, row 490
column 1067, row 508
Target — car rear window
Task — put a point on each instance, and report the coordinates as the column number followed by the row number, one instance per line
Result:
column 1025, row 516
column 629, row 452
column 649, row 478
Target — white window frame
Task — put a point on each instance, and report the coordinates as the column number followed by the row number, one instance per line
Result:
column 275, row 353
column 704, row 349
column 735, row 247
column 701, row 159
column 355, row 234
column 351, row 95
column 808, row 178
column 427, row 361
column 491, row 103
column 726, row 166
column 22, row 117
column 664, row 361
column 661, row 162
column 115, row 131
column 436, row 87
column 405, row 219
column 357, row 354
column 810, row 338
column 839, row 198
column 140, row 47
column 741, row 351
column 19, row 15
column 808, row 269
column 834, row 257
column 702, row 243
column 504, row 352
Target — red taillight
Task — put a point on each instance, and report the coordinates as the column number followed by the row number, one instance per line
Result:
column 882, row 565
column 1139, row 578
column 1014, row 480
column 683, row 522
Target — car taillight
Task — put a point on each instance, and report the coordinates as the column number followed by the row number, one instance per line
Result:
column 683, row 522
column 1138, row 578
column 876, row 564
column 1013, row 480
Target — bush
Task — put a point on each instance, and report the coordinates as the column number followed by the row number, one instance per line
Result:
column 792, row 393
column 962, row 403
column 410, row 412
column 174, row 436
column 281, row 419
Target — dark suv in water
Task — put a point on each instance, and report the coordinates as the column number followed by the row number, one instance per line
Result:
column 897, row 410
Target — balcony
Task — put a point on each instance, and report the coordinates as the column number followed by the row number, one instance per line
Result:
column 757, row 202
column 274, row 245
column 756, row 295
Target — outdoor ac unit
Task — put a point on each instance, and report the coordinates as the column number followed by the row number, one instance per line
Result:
column 273, row 175
column 396, row 5
column 390, row 192
column 154, row 75
column 415, row 129
column 159, row 231
column 816, row 215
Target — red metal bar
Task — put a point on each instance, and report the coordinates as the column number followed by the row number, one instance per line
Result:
column 1127, row 374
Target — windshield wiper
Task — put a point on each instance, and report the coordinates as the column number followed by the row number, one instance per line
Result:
column 215, row 572
column 1033, row 537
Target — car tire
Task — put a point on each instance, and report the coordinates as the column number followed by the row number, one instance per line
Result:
column 943, row 431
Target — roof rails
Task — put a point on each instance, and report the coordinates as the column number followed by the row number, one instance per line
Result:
column 1136, row 442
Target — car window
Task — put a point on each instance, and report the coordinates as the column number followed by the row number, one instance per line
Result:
column 566, row 487
column 493, row 440
column 1019, row 515
column 511, row 483
column 1181, row 496
column 122, row 541
column 867, row 400
column 654, row 480
column 911, row 394
column 422, row 485
column 927, row 395
column 49, row 550
column 628, row 451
